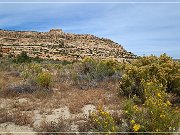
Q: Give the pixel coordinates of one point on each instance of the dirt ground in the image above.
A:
(28, 112)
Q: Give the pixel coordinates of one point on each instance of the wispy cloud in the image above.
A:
(140, 28)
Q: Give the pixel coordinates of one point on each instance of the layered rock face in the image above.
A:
(57, 44)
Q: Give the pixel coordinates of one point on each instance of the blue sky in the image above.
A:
(140, 28)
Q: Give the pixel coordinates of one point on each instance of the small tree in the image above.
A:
(23, 57)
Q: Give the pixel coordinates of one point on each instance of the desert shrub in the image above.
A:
(155, 115)
(99, 69)
(44, 80)
(35, 68)
(37, 59)
(20, 88)
(89, 72)
(23, 57)
(83, 81)
(10, 55)
(65, 62)
(89, 66)
(102, 121)
(64, 74)
(106, 69)
(163, 69)
(50, 127)
(14, 73)
(173, 85)
(5, 64)
(22, 118)
(34, 75)
(30, 71)
(16, 116)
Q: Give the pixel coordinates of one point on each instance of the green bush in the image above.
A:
(89, 72)
(106, 69)
(23, 57)
(99, 69)
(44, 80)
(37, 59)
(89, 66)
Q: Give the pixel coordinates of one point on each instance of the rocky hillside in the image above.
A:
(57, 44)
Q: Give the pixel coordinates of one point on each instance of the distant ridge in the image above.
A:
(176, 59)
(57, 44)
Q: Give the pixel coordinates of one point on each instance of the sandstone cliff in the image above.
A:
(57, 44)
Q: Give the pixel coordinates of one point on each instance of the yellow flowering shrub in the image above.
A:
(157, 114)
(136, 127)
(162, 70)
(102, 121)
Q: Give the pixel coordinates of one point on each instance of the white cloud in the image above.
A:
(136, 26)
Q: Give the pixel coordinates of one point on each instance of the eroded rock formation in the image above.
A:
(57, 44)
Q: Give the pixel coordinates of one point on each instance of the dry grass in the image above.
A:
(16, 116)
(24, 106)
(60, 126)
(64, 94)
(76, 98)
(4, 82)
(22, 118)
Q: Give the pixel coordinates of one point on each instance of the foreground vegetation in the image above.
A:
(147, 90)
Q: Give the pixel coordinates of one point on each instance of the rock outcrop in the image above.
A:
(57, 44)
